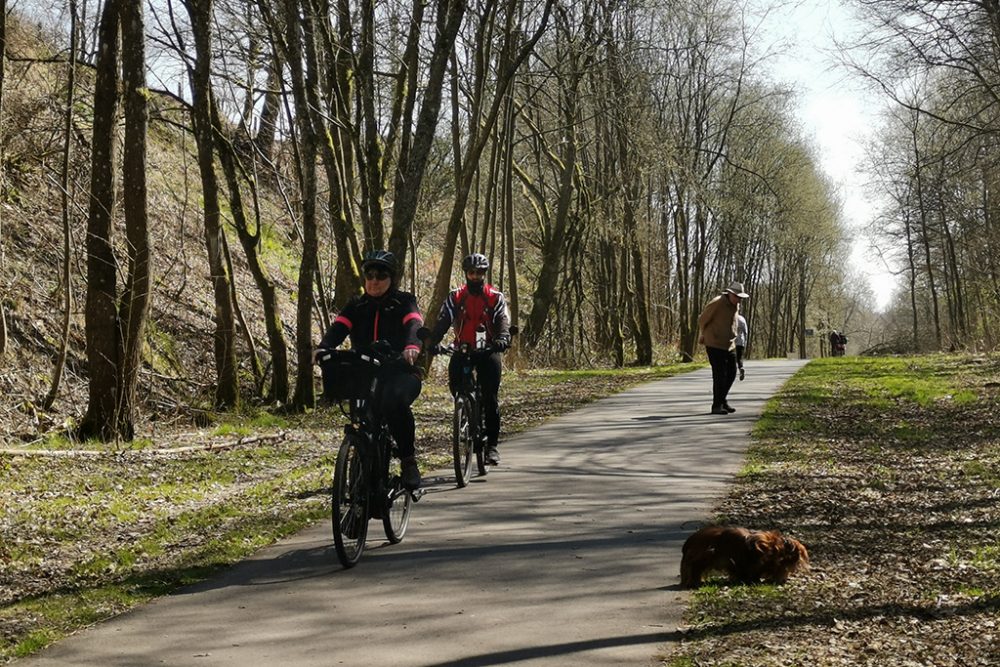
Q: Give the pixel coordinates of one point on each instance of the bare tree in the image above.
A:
(64, 184)
(227, 389)
(296, 34)
(3, 60)
(577, 53)
(415, 148)
(135, 300)
(115, 323)
(102, 318)
(484, 115)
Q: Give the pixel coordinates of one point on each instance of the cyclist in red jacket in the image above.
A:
(384, 312)
(477, 305)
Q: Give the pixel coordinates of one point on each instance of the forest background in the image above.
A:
(188, 187)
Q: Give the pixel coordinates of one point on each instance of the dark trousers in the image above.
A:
(739, 356)
(398, 388)
(488, 370)
(723, 373)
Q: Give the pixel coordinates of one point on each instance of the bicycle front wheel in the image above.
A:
(461, 441)
(396, 507)
(350, 502)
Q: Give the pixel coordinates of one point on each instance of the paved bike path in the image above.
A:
(568, 554)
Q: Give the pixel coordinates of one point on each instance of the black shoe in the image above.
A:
(410, 473)
(492, 455)
(728, 408)
(716, 410)
(742, 374)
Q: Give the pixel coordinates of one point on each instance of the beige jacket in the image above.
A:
(718, 324)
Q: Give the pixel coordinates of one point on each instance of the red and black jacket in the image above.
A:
(468, 309)
(393, 317)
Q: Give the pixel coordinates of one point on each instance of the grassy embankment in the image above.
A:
(889, 471)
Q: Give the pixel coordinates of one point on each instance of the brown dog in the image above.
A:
(748, 556)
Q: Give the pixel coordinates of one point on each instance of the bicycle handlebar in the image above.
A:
(378, 354)
(464, 349)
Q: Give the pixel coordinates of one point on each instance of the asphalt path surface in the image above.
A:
(567, 554)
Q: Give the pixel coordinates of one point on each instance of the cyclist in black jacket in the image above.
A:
(385, 312)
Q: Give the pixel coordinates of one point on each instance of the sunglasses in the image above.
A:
(476, 272)
(376, 275)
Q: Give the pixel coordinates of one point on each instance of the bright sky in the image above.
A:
(836, 112)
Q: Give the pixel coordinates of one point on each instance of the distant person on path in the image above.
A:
(742, 334)
(478, 307)
(718, 323)
(838, 343)
(384, 312)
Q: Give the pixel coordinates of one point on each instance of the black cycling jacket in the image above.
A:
(393, 317)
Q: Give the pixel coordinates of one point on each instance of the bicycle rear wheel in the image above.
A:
(396, 507)
(350, 502)
(461, 441)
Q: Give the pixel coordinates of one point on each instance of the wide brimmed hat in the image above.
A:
(737, 289)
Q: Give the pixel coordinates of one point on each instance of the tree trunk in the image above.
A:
(102, 327)
(67, 155)
(332, 139)
(510, 285)
(270, 111)
(3, 186)
(251, 245)
(227, 390)
(925, 237)
(257, 368)
(482, 125)
(551, 261)
(305, 393)
(687, 307)
(801, 311)
(136, 296)
(911, 263)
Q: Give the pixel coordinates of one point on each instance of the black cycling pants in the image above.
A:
(488, 369)
(723, 373)
(398, 388)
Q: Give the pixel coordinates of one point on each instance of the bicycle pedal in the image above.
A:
(417, 494)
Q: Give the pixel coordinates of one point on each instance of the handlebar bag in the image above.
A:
(345, 375)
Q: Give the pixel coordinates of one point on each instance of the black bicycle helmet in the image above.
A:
(475, 261)
(379, 259)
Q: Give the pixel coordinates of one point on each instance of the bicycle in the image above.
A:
(468, 435)
(366, 480)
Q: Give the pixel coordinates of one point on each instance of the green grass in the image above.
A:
(883, 381)
(276, 250)
(636, 374)
(241, 430)
(987, 557)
